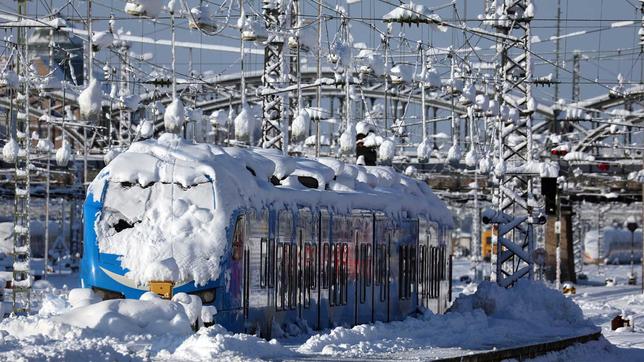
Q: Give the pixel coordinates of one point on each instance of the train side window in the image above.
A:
(263, 262)
(279, 265)
(335, 274)
(401, 272)
(414, 270)
(369, 266)
(325, 265)
(345, 274)
(238, 239)
(292, 280)
(362, 267)
(443, 262)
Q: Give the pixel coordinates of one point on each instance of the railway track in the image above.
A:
(526, 351)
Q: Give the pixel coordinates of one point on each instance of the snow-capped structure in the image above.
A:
(387, 151)
(180, 196)
(64, 154)
(89, 100)
(412, 13)
(174, 116)
(244, 125)
(149, 8)
(301, 125)
(10, 151)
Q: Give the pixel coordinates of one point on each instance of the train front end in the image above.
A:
(122, 214)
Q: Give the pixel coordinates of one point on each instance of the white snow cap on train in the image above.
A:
(188, 222)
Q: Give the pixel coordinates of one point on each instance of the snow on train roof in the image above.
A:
(177, 235)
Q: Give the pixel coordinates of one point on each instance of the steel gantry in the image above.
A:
(514, 176)
(274, 102)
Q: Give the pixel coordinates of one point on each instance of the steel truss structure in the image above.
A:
(514, 185)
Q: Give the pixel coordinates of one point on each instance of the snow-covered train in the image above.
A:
(614, 246)
(275, 243)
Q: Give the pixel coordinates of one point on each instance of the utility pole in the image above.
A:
(318, 90)
(21, 275)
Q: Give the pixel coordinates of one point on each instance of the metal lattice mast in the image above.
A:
(21, 275)
(514, 189)
(274, 104)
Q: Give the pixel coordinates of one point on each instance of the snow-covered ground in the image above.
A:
(73, 326)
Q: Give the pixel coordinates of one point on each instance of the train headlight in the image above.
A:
(207, 296)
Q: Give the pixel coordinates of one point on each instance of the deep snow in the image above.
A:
(74, 326)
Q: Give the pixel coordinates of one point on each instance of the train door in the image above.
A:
(257, 304)
(233, 304)
(363, 251)
(307, 255)
(285, 271)
(324, 268)
(381, 267)
(424, 245)
(407, 268)
(444, 268)
(341, 310)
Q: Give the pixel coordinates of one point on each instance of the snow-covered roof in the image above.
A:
(177, 225)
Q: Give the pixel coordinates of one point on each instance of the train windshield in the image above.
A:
(127, 205)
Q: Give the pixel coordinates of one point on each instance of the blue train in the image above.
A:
(308, 247)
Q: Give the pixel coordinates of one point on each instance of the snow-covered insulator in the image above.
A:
(485, 165)
(493, 108)
(252, 29)
(201, 18)
(146, 129)
(174, 116)
(424, 150)
(64, 154)
(148, 8)
(454, 154)
(469, 94)
(89, 100)
(348, 141)
(44, 145)
(432, 78)
(102, 40)
(471, 158)
(481, 102)
(301, 125)
(387, 151)
(401, 73)
(110, 155)
(244, 125)
(10, 151)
